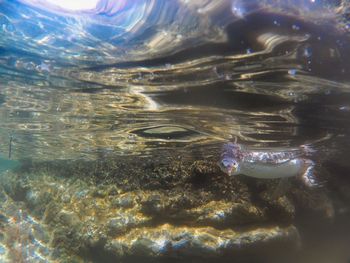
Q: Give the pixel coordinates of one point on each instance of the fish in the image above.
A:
(268, 163)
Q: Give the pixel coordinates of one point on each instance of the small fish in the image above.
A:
(268, 164)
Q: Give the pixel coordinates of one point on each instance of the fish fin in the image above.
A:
(307, 149)
(281, 188)
(308, 175)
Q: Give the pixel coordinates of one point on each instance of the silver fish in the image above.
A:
(268, 164)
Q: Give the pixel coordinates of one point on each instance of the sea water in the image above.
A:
(118, 111)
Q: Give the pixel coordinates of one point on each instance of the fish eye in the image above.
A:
(224, 163)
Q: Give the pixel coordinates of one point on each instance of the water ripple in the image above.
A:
(141, 76)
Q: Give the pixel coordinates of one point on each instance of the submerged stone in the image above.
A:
(201, 213)
(168, 241)
(219, 213)
(124, 201)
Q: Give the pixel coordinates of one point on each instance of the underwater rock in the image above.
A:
(23, 238)
(170, 241)
(120, 224)
(316, 202)
(14, 185)
(68, 218)
(124, 201)
(219, 213)
(338, 183)
(280, 208)
(37, 200)
(201, 213)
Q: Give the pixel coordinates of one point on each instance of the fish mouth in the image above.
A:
(231, 171)
(227, 170)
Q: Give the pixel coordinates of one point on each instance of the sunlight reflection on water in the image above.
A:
(74, 84)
